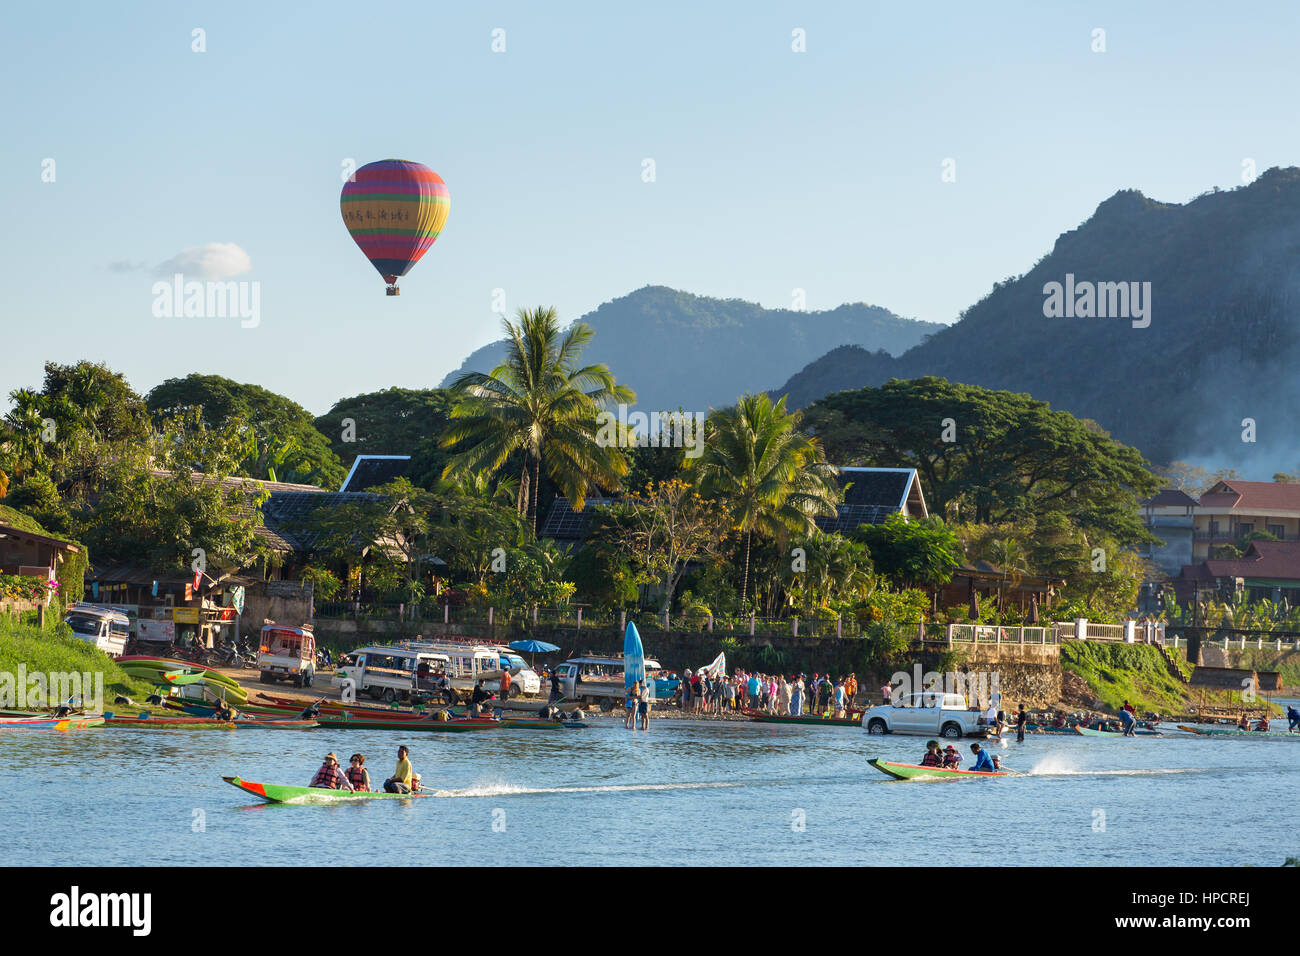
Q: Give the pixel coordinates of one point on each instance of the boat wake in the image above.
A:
(510, 790)
(1062, 767)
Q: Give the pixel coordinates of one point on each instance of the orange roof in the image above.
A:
(1253, 496)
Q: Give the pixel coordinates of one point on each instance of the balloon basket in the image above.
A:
(392, 290)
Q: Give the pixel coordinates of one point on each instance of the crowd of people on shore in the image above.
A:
(796, 695)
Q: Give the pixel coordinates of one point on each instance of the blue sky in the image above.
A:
(775, 170)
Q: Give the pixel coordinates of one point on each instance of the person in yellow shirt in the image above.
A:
(400, 781)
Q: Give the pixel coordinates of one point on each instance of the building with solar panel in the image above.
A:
(871, 495)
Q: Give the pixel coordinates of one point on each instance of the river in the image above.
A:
(684, 792)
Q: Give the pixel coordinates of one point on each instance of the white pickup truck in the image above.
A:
(930, 714)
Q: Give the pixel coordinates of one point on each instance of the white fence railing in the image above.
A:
(998, 634)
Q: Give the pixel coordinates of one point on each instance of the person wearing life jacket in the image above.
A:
(329, 777)
(951, 758)
(357, 773)
(983, 762)
(1244, 723)
(932, 758)
(1262, 723)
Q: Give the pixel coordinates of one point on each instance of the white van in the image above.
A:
(469, 663)
(387, 672)
(598, 680)
(106, 627)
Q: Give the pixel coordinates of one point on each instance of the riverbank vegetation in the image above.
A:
(54, 650)
(715, 530)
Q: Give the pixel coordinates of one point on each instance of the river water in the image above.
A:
(691, 792)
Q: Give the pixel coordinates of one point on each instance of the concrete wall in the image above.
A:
(285, 602)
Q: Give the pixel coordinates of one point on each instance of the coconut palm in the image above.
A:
(771, 477)
(540, 402)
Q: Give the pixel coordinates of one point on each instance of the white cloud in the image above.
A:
(212, 260)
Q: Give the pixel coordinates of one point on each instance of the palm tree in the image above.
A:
(771, 476)
(1011, 560)
(541, 403)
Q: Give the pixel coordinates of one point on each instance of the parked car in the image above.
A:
(929, 714)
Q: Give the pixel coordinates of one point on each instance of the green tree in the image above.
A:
(665, 528)
(280, 438)
(394, 421)
(771, 477)
(989, 456)
(917, 553)
(539, 401)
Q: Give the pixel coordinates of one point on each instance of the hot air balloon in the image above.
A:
(394, 210)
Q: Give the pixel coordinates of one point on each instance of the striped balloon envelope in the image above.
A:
(394, 210)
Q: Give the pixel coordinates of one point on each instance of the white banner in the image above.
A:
(716, 668)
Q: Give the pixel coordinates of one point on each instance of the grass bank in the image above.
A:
(55, 650)
(1133, 672)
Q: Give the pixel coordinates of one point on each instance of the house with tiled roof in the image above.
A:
(1267, 569)
(1232, 509)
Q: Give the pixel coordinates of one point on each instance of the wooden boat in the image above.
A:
(532, 723)
(1237, 732)
(273, 723)
(445, 726)
(279, 793)
(1074, 730)
(331, 708)
(197, 708)
(908, 771)
(1089, 732)
(147, 721)
(44, 722)
(810, 721)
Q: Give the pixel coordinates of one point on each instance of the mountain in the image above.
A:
(1218, 346)
(679, 350)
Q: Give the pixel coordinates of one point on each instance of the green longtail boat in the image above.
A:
(1237, 732)
(807, 721)
(908, 771)
(440, 726)
(276, 793)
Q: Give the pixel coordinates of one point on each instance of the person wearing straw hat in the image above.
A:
(329, 776)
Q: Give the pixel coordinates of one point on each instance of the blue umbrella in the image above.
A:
(532, 647)
(633, 658)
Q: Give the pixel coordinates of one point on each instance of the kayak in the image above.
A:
(1235, 732)
(908, 771)
(164, 664)
(810, 721)
(278, 793)
(165, 722)
(76, 722)
(449, 726)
